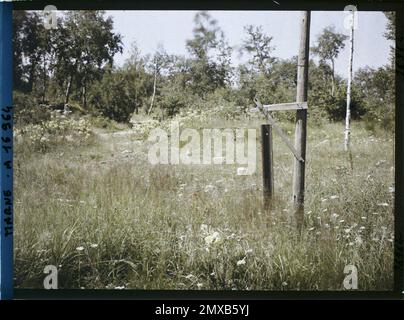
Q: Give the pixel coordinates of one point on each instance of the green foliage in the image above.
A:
(72, 56)
(138, 81)
(110, 97)
(210, 67)
(55, 132)
(328, 46)
(258, 45)
(90, 44)
(377, 91)
(172, 99)
(72, 65)
(390, 33)
(27, 110)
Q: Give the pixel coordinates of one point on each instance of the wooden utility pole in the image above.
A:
(301, 117)
(267, 165)
(348, 93)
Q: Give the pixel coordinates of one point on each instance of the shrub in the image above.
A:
(110, 97)
(48, 134)
(28, 111)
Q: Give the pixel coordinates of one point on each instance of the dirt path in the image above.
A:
(121, 145)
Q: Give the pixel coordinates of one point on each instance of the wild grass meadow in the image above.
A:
(99, 211)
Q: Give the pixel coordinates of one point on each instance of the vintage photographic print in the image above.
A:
(204, 150)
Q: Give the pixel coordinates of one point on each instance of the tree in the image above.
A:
(329, 44)
(279, 87)
(390, 33)
(30, 48)
(176, 91)
(137, 79)
(377, 93)
(85, 44)
(159, 61)
(348, 98)
(258, 45)
(110, 96)
(19, 18)
(210, 66)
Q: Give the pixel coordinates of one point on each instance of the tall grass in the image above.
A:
(108, 219)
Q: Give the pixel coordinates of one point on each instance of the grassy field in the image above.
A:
(108, 219)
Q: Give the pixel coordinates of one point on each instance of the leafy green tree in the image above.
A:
(137, 79)
(258, 45)
(328, 46)
(279, 86)
(85, 45)
(176, 92)
(158, 63)
(19, 19)
(390, 33)
(110, 96)
(210, 66)
(376, 89)
(30, 47)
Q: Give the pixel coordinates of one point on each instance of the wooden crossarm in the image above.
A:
(278, 129)
(285, 106)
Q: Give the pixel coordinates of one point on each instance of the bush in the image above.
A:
(110, 97)
(172, 99)
(376, 87)
(48, 134)
(28, 111)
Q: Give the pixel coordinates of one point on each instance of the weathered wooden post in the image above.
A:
(301, 118)
(267, 165)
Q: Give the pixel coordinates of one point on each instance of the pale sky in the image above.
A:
(173, 28)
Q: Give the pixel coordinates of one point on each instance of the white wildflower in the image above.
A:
(358, 240)
(383, 204)
(241, 262)
(212, 238)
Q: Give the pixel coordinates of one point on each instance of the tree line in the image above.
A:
(74, 65)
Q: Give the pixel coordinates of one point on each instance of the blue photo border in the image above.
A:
(6, 155)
